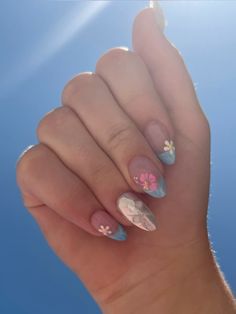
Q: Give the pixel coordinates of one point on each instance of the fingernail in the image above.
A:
(108, 226)
(136, 211)
(146, 175)
(159, 139)
(160, 18)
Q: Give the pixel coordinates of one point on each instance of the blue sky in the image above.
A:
(44, 44)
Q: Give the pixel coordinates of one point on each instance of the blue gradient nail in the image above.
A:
(167, 157)
(104, 223)
(158, 137)
(119, 235)
(160, 191)
(147, 176)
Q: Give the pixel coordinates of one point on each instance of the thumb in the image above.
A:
(169, 73)
(188, 180)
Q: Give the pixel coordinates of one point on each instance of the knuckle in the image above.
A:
(119, 135)
(52, 121)
(27, 162)
(116, 58)
(76, 86)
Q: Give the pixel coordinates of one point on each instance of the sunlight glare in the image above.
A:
(64, 31)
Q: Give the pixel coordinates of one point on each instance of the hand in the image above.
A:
(114, 135)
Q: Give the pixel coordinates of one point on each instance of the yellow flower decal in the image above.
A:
(169, 147)
(105, 230)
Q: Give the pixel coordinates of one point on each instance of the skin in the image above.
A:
(67, 175)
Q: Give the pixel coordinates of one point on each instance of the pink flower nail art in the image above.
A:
(147, 180)
(147, 176)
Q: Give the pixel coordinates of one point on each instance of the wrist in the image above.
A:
(205, 291)
(191, 283)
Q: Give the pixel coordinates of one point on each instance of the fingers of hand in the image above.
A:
(113, 125)
(64, 133)
(44, 178)
(115, 133)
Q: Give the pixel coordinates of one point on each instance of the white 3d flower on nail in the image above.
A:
(105, 230)
(169, 147)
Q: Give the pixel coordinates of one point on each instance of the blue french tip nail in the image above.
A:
(167, 157)
(119, 235)
(160, 191)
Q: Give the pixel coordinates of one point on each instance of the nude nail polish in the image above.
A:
(136, 211)
(108, 226)
(161, 143)
(147, 176)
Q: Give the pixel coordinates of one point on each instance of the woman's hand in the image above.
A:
(106, 158)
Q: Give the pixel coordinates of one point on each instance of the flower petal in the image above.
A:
(143, 177)
(153, 186)
(152, 178)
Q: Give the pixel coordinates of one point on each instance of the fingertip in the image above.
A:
(148, 22)
(142, 18)
(106, 225)
(159, 14)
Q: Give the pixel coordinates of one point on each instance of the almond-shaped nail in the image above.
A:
(136, 211)
(160, 141)
(147, 176)
(108, 226)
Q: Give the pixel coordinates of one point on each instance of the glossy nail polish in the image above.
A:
(146, 175)
(136, 211)
(163, 146)
(108, 226)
